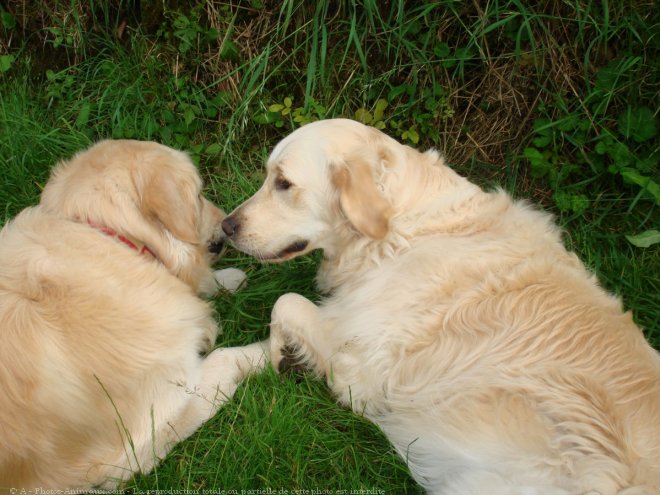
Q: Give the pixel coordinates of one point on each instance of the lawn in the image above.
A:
(556, 103)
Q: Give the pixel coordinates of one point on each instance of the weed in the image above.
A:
(7, 26)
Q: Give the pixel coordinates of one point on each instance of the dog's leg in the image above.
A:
(222, 372)
(296, 326)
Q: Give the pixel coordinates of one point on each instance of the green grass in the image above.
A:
(485, 84)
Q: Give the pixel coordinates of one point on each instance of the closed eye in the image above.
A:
(281, 184)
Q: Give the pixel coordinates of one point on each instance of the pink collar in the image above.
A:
(113, 233)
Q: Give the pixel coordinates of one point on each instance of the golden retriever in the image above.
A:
(455, 319)
(101, 328)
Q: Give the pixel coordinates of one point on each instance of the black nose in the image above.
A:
(230, 226)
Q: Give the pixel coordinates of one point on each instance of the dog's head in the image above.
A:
(148, 193)
(321, 181)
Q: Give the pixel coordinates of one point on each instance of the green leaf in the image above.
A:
(448, 63)
(211, 112)
(543, 126)
(540, 166)
(463, 53)
(276, 107)
(441, 50)
(621, 155)
(212, 34)
(363, 115)
(181, 22)
(222, 99)
(83, 115)
(7, 20)
(381, 105)
(610, 76)
(542, 141)
(400, 89)
(648, 184)
(533, 155)
(571, 202)
(568, 123)
(579, 203)
(562, 200)
(637, 123)
(601, 147)
(645, 239)
(168, 117)
(213, 149)
(188, 115)
(6, 62)
(182, 140)
(230, 51)
(267, 118)
(411, 135)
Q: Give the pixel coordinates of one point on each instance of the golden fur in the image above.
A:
(456, 320)
(101, 346)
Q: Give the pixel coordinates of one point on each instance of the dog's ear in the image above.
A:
(359, 198)
(171, 199)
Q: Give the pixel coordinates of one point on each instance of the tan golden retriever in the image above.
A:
(101, 328)
(456, 320)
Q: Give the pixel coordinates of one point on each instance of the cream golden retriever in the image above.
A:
(101, 329)
(456, 320)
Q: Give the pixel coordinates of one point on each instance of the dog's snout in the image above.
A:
(230, 226)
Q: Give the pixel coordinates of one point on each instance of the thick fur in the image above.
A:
(100, 347)
(456, 320)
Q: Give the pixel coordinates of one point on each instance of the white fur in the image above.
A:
(456, 320)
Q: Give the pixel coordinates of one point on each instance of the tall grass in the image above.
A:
(481, 81)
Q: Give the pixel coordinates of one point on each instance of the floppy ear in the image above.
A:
(359, 198)
(173, 203)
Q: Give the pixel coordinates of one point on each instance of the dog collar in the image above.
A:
(122, 238)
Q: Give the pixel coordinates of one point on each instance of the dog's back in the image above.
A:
(82, 364)
(508, 366)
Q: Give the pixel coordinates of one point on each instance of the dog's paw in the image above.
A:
(230, 279)
(275, 347)
(286, 357)
(291, 314)
(290, 360)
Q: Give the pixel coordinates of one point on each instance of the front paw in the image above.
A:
(284, 354)
(291, 316)
(230, 279)
(276, 346)
(292, 360)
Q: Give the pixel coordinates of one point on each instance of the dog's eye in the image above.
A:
(281, 184)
